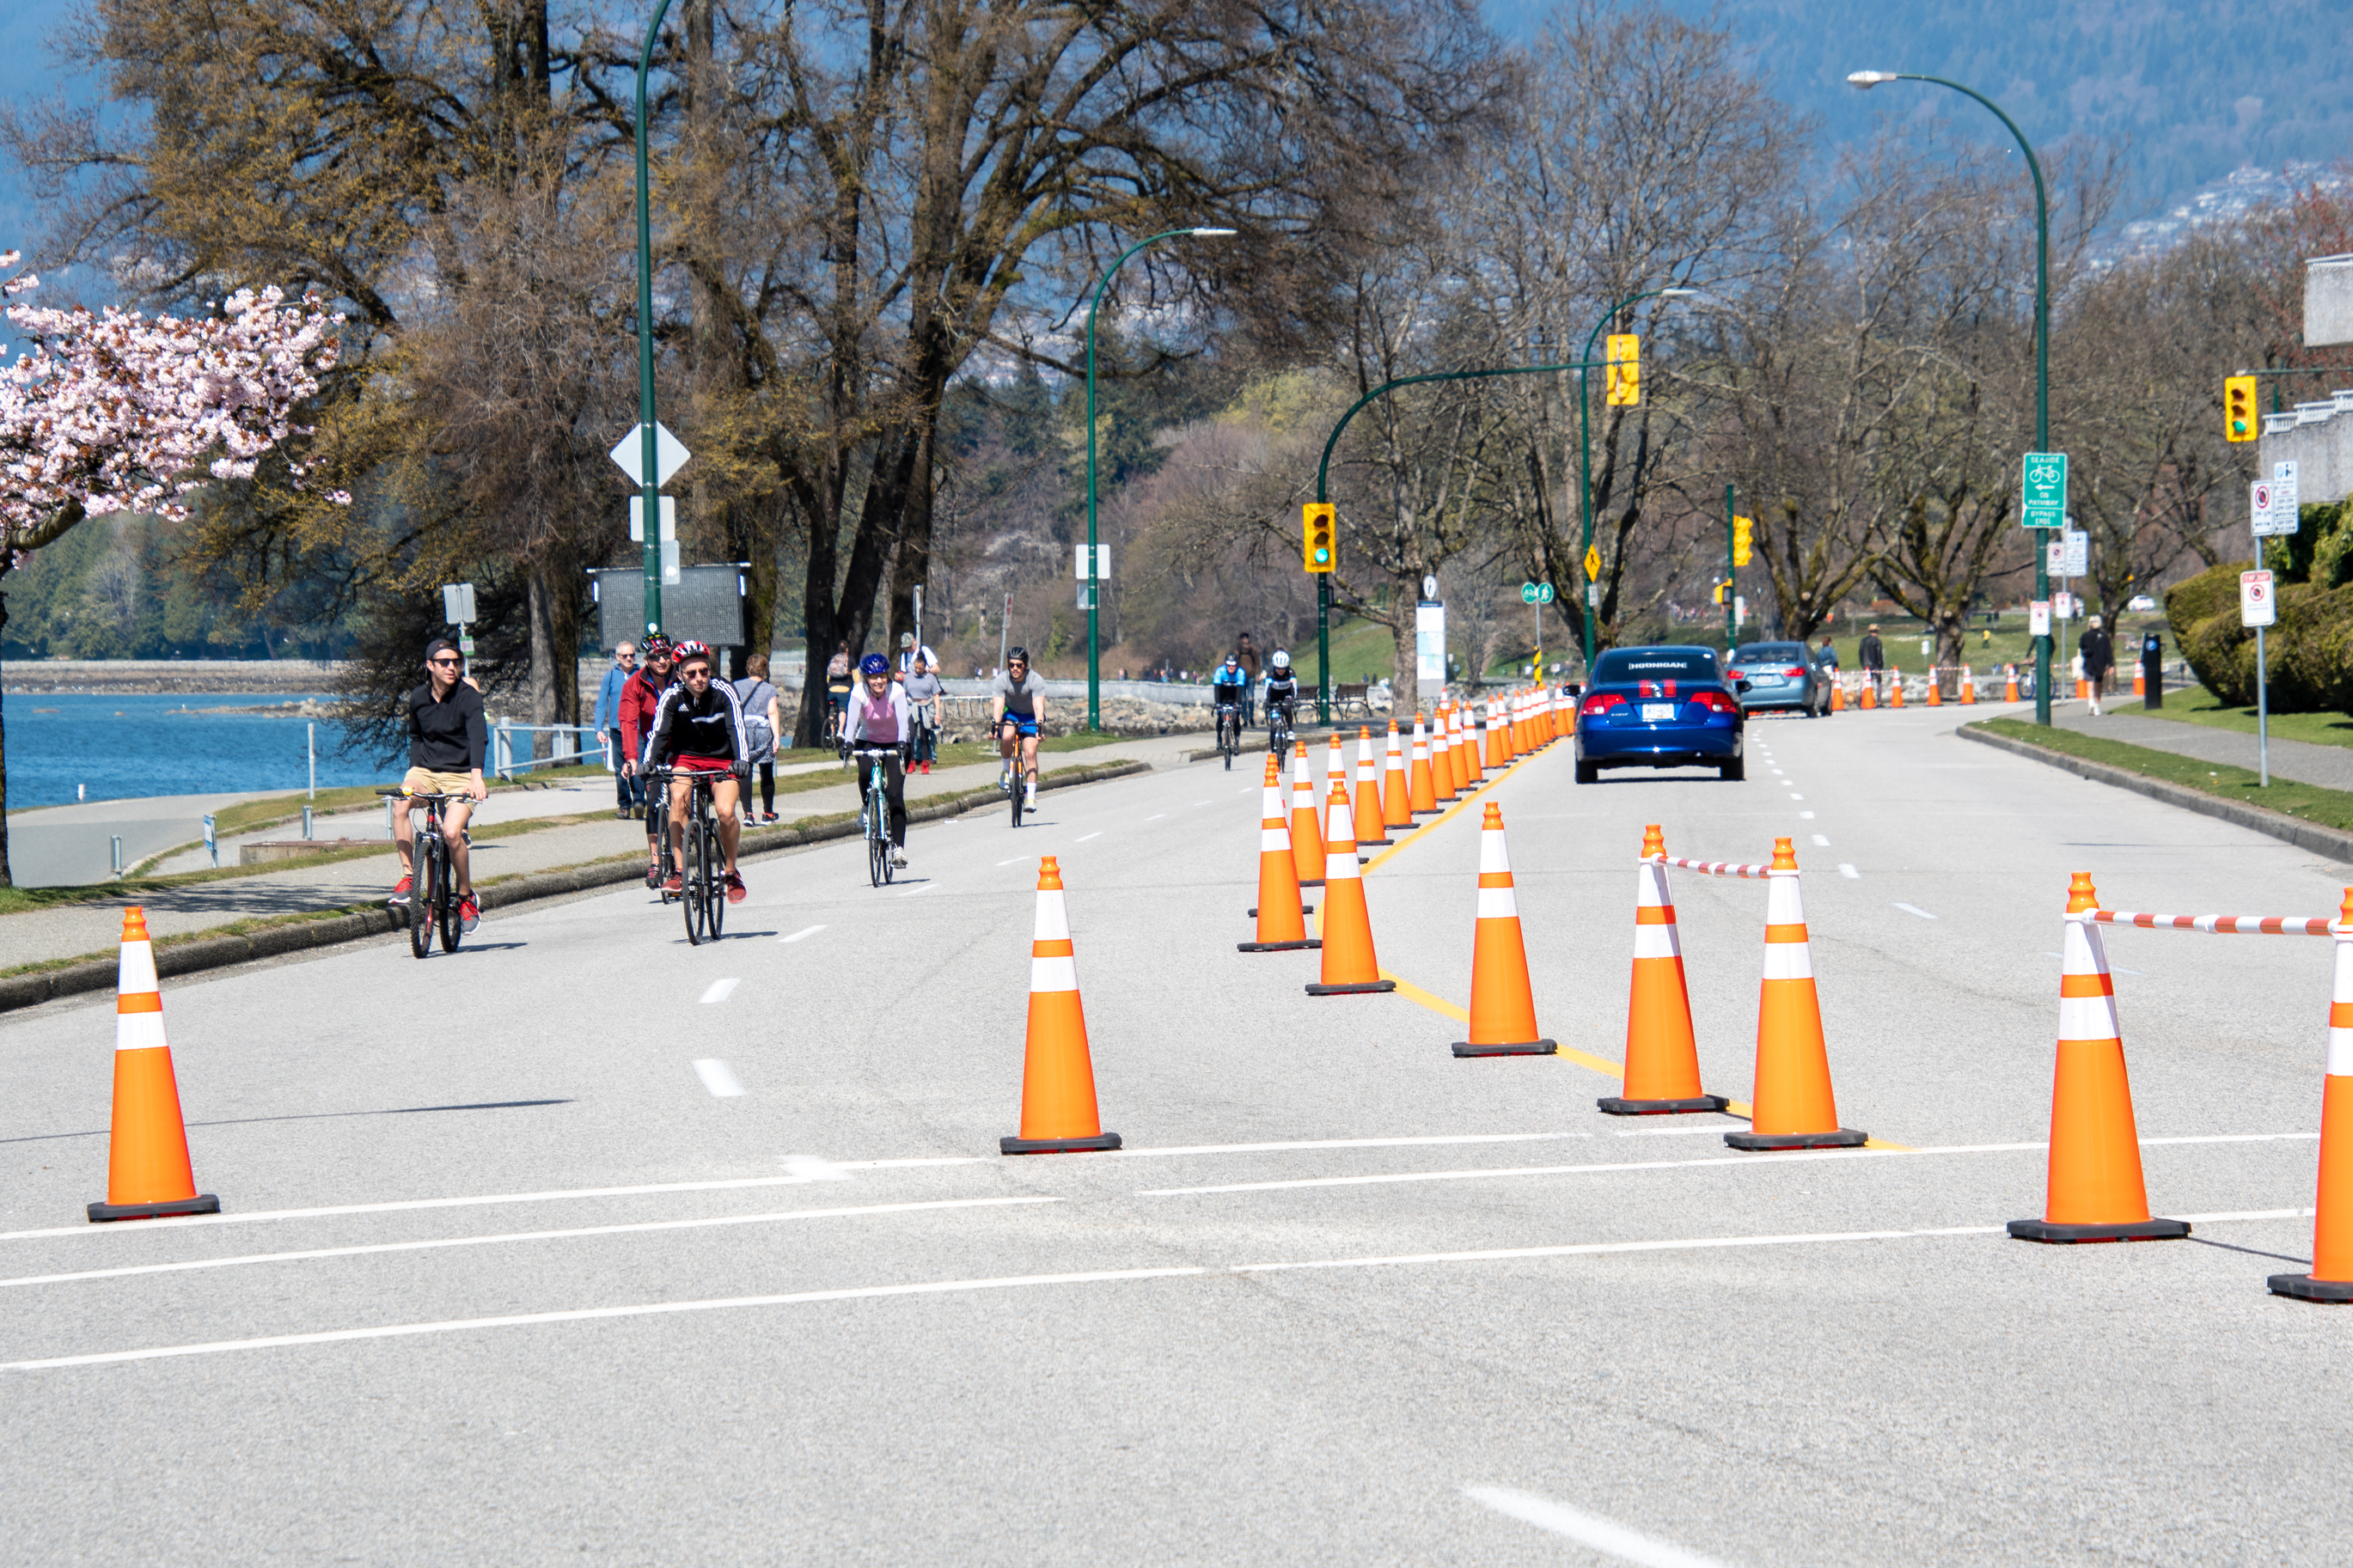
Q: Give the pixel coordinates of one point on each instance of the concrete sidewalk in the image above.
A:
(2329, 767)
(73, 931)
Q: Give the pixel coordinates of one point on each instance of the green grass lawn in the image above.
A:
(1361, 650)
(2202, 707)
(2329, 807)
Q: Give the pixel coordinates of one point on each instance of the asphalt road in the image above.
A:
(506, 1276)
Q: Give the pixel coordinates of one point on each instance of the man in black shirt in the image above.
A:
(446, 738)
(698, 729)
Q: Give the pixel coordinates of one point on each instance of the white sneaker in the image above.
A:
(898, 861)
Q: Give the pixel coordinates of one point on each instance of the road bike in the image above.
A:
(1229, 732)
(1009, 779)
(1278, 727)
(432, 891)
(703, 861)
(874, 813)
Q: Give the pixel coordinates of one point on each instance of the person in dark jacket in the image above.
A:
(2099, 657)
(1872, 656)
(447, 736)
(640, 696)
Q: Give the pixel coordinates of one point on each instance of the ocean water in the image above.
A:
(117, 747)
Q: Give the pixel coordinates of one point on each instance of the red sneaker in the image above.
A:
(677, 883)
(736, 892)
(399, 898)
(470, 913)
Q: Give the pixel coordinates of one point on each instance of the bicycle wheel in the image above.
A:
(1018, 784)
(878, 855)
(445, 900)
(420, 894)
(715, 880)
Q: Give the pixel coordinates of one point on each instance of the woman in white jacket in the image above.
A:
(880, 716)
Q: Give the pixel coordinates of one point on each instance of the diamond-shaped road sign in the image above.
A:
(1592, 565)
(670, 454)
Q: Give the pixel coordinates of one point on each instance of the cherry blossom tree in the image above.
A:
(113, 411)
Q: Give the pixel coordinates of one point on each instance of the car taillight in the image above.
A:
(1716, 702)
(1600, 702)
(1795, 672)
(1736, 675)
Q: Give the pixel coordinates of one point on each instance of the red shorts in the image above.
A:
(701, 764)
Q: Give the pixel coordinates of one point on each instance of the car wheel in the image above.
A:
(1734, 771)
(1588, 772)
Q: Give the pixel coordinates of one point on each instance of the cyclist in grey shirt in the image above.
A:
(923, 688)
(1017, 709)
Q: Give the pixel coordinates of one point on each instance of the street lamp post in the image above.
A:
(1584, 440)
(1094, 652)
(648, 469)
(1324, 493)
(1865, 82)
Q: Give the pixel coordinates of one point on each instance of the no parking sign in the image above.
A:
(2257, 604)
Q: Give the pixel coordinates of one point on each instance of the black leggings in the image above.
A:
(767, 772)
(894, 793)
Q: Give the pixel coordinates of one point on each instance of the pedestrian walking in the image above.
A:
(1874, 658)
(923, 688)
(629, 792)
(762, 722)
(1246, 653)
(2099, 656)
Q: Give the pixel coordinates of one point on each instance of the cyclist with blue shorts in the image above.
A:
(1017, 709)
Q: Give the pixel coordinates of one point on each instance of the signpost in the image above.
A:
(2258, 608)
(1429, 635)
(2271, 503)
(458, 610)
(1539, 594)
(2043, 491)
(1088, 580)
(655, 446)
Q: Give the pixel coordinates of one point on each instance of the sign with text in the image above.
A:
(2257, 606)
(2043, 491)
(2076, 547)
(1429, 642)
(2037, 618)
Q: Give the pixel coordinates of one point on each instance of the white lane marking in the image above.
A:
(719, 990)
(1820, 842)
(948, 1287)
(1096, 834)
(1251, 789)
(1201, 802)
(1794, 795)
(2248, 1214)
(1155, 817)
(804, 932)
(1343, 1144)
(1609, 1539)
(1850, 1157)
(1015, 861)
(918, 887)
(1805, 816)
(706, 1222)
(1849, 872)
(1915, 909)
(204, 1222)
(1680, 1131)
(716, 1077)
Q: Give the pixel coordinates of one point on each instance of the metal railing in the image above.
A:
(572, 746)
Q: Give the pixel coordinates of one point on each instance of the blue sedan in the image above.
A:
(1659, 708)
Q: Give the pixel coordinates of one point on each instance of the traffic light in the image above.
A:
(1742, 543)
(2239, 420)
(1316, 548)
(1720, 589)
(1624, 369)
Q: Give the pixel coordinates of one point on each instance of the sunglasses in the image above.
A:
(446, 663)
(698, 672)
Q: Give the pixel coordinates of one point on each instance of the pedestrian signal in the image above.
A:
(1624, 369)
(1316, 546)
(1743, 544)
(2239, 420)
(1721, 588)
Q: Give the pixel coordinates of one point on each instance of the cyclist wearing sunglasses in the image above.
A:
(640, 694)
(446, 738)
(698, 729)
(1017, 711)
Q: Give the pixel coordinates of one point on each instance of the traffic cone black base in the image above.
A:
(1360, 989)
(1522, 1048)
(1616, 1107)
(202, 1202)
(1304, 909)
(1099, 1142)
(1844, 1138)
(2304, 1287)
(1366, 843)
(2062, 1235)
(1310, 882)
(1311, 943)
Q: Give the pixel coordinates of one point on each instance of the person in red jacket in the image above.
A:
(640, 694)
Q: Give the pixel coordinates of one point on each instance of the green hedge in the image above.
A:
(2309, 654)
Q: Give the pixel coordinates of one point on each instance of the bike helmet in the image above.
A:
(1282, 659)
(1232, 663)
(691, 649)
(1018, 655)
(655, 645)
(873, 664)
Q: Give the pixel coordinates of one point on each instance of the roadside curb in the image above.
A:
(297, 936)
(2330, 841)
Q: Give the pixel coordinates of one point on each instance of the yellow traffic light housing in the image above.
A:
(1623, 376)
(2239, 420)
(1720, 589)
(1318, 548)
(1742, 543)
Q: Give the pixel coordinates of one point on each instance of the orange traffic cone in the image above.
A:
(1662, 1056)
(2082, 689)
(1349, 966)
(1306, 834)
(1058, 1076)
(1370, 828)
(1442, 756)
(1866, 693)
(2331, 1279)
(1490, 738)
(1424, 797)
(2010, 683)
(1936, 687)
(1336, 762)
(1396, 791)
(147, 1170)
(1503, 1006)
(1282, 927)
(2140, 681)
(1894, 687)
(2094, 1191)
(1838, 695)
(1968, 687)
(1466, 737)
(1794, 1107)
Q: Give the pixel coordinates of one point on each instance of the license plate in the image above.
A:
(1658, 712)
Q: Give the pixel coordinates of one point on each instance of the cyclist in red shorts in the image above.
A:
(698, 729)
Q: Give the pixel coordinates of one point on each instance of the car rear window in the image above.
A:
(1770, 653)
(1620, 666)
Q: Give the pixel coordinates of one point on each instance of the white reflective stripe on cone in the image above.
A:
(1054, 916)
(140, 1032)
(1651, 886)
(2082, 953)
(1498, 903)
(2340, 1040)
(1784, 905)
(1054, 974)
(1492, 859)
(136, 971)
(1274, 836)
(1657, 941)
(1340, 828)
(1789, 961)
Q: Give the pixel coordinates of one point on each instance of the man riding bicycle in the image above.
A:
(1017, 711)
(1229, 690)
(698, 732)
(640, 694)
(881, 715)
(447, 735)
(1282, 686)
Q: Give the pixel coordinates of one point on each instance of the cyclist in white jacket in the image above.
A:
(880, 715)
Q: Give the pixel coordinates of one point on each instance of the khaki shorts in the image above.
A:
(425, 781)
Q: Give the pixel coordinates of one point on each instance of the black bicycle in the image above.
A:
(1278, 727)
(1229, 731)
(874, 815)
(432, 890)
(703, 861)
(1010, 780)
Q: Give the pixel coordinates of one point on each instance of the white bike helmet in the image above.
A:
(1282, 659)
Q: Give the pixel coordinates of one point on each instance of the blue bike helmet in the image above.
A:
(873, 664)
